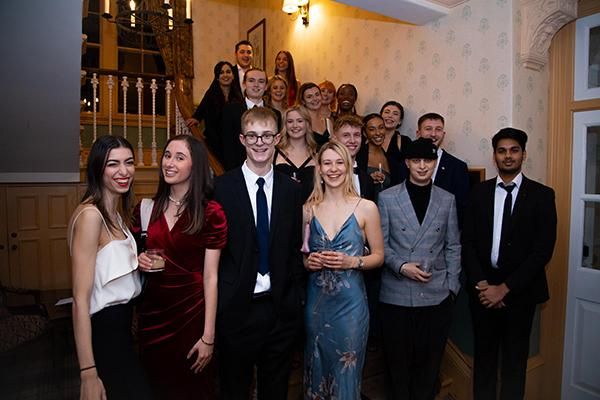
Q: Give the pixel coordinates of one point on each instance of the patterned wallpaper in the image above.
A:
(215, 30)
(464, 66)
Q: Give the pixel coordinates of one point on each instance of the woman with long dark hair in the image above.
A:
(178, 310)
(284, 66)
(105, 276)
(220, 92)
(394, 143)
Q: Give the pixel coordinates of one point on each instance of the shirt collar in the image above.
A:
(250, 104)
(251, 177)
(517, 181)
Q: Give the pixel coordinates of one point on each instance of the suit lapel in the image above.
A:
(430, 215)
(519, 206)
(489, 204)
(404, 203)
(275, 207)
(240, 190)
(440, 176)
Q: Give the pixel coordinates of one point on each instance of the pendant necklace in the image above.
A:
(177, 202)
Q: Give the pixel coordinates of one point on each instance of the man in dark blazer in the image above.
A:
(255, 83)
(451, 173)
(261, 273)
(244, 55)
(508, 238)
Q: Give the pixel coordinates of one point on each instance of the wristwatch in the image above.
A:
(361, 263)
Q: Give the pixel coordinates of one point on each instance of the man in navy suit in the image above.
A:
(508, 238)
(451, 173)
(261, 273)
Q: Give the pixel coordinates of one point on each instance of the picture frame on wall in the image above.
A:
(257, 35)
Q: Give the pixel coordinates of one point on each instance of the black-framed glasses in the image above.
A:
(266, 139)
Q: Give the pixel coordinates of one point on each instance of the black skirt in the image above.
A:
(117, 363)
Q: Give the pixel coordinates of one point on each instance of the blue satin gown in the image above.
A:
(337, 319)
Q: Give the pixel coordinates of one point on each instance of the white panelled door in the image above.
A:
(581, 364)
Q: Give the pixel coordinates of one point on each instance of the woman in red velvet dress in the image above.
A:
(179, 304)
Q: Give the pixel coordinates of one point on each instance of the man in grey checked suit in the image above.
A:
(421, 276)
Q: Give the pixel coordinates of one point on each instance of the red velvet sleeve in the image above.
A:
(136, 227)
(215, 228)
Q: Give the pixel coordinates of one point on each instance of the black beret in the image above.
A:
(421, 148)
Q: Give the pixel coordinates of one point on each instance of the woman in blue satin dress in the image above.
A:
(338, 222)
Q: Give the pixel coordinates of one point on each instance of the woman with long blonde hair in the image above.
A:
(338, 222)
(297, 148)
(276, 93)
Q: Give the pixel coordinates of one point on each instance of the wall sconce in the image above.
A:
(300, 6)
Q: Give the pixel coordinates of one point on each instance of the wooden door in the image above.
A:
(37, 219)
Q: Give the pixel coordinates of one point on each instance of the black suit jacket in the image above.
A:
(367, 189)
(453, 176)
(239, 259)
(237, 84)
(530, 244)
(234, 153)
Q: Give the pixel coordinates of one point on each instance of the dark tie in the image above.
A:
(506, 220)
(262, 227)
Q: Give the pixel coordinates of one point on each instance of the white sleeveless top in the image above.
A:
(116, 279)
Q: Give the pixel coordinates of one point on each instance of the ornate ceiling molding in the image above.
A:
(540, 20)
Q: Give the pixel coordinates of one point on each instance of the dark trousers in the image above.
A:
(414, 339)
(260, 340)
(117, 363)
(503, 332)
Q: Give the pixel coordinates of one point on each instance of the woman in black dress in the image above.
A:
(221, 91)
(295, 153)
(394, 143)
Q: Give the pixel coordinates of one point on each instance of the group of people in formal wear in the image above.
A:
(326, 227)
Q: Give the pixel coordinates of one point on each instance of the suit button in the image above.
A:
(412, 250)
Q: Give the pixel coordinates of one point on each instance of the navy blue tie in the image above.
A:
(262, 227)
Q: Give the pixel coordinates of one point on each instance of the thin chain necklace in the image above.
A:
(177, 202)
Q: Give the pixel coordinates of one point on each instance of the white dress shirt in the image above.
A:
(437, 164)
(250, 104)
(241, 73)
(499, 197)
(263, 282)
(355, 179)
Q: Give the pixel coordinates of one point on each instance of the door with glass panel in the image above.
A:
(581, 366)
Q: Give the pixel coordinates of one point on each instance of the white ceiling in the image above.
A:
(416, 12)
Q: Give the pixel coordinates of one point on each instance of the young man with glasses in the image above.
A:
(261, 272)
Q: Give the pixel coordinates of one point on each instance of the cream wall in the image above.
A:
(463, 66)
(215, 30)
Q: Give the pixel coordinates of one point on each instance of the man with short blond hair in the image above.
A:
(261, 271)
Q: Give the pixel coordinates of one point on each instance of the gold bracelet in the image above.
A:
(205, 342)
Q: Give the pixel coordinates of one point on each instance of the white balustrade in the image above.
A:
(125, 85)
(153, 87)
(140, 87)
(110, 83)
(180, 126)
(94, 97)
